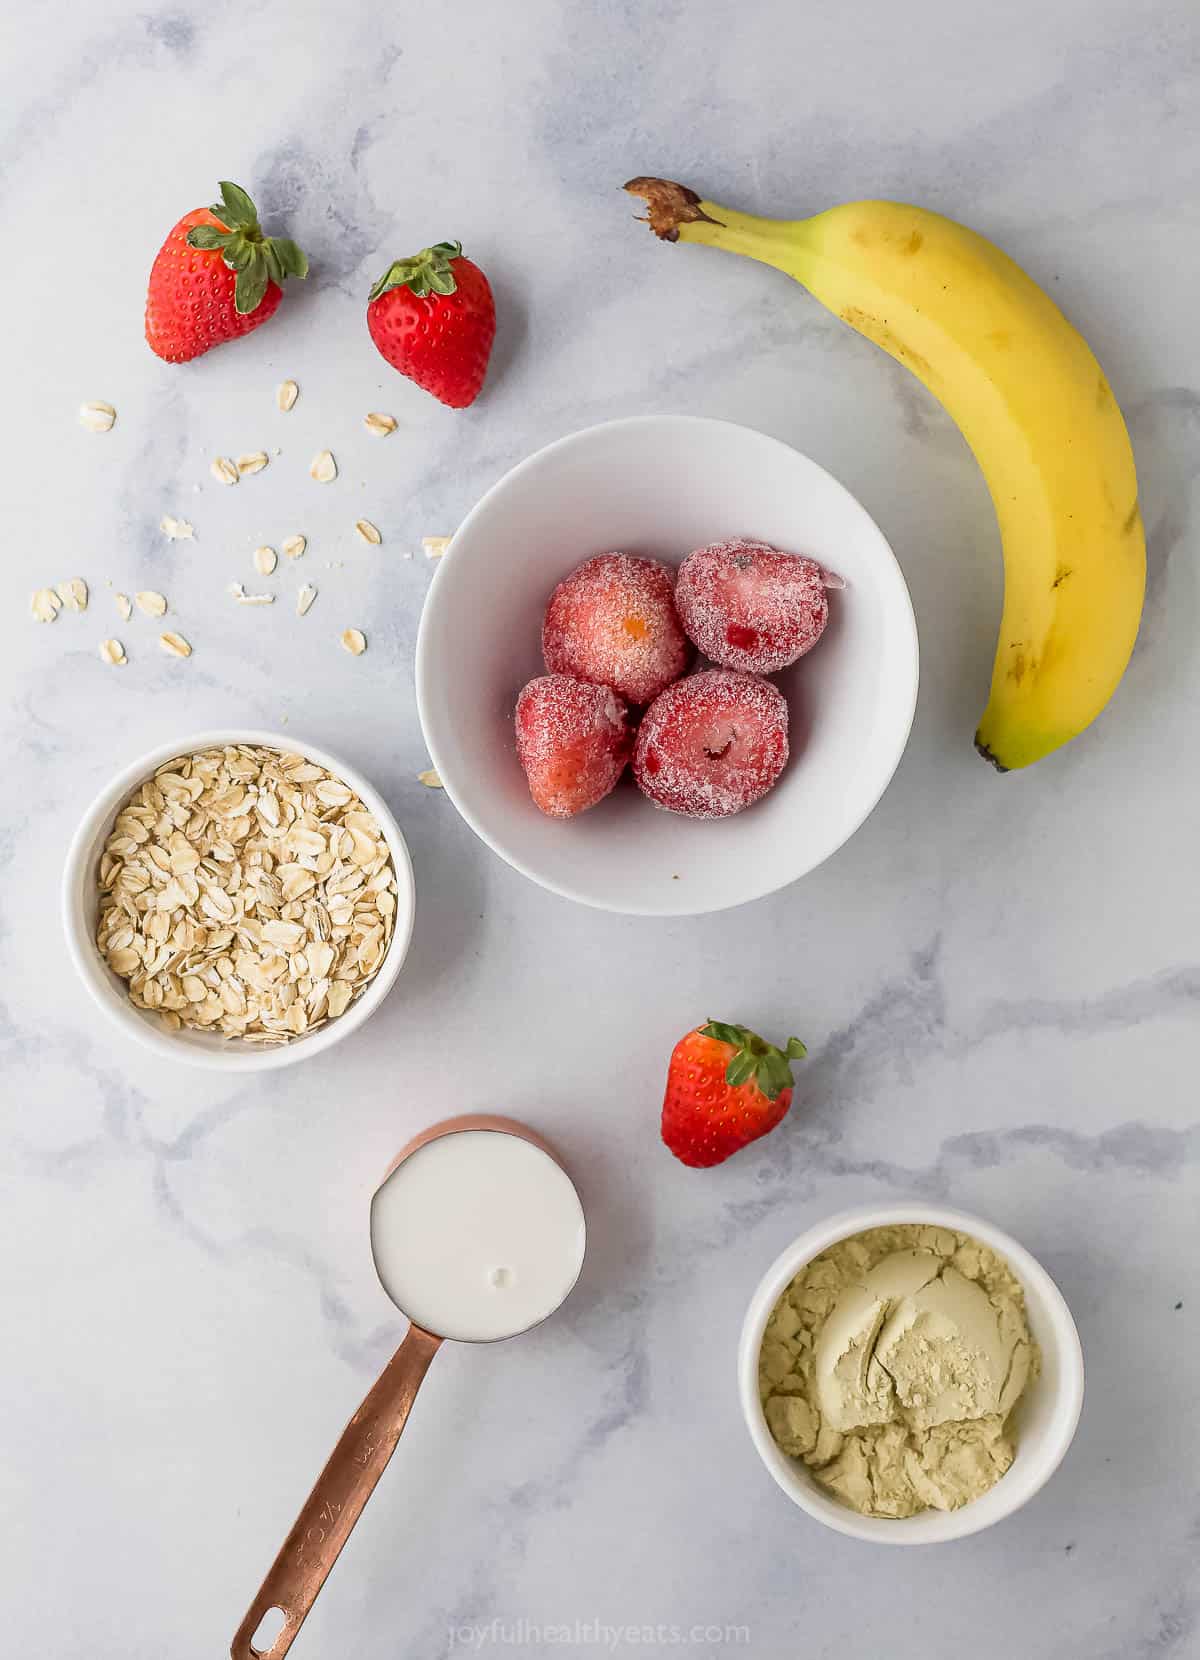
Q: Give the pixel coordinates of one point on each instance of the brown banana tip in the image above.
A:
(982, 749)
(670, 205)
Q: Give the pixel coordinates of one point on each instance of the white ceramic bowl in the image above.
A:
(80, 912)
(663, 485)
(1044, 1420)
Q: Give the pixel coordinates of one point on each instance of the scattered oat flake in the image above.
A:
(378, 425)
(254, 462)
(355, 641)
(435, 546)
(97, 416)
(265, 561)
(368, 532)
(430, 779)
(287, 394)
(304, 599)
(45, 605)
(176, 530)
(294, 546)
(324, 468)
(243, 598)
(150, 603)
(112, 651)
(73, 593)
(175, 644)
(124, 607)
(224, 470)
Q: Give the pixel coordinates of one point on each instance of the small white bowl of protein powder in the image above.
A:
(909, 1374)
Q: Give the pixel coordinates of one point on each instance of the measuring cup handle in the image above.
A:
(337, 1500)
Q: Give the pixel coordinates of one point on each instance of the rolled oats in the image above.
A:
(355, 641)
(304, 599)
(435, 546)
(124, 607)
(245, 891)
(112, 651)
(287, 394)
(294, 546)
(45, 605)
(151, 604)
(175, 644)
(324, 468)
(379, 426)
(368, 532)
(254, 462)
(265, 560)
(176, 530)
(73, 593)
(97, 416)
(224, 470)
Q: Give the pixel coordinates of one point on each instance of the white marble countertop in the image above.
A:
(998, 976)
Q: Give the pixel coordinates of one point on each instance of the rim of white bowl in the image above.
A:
(425, 700)
(1021, 1481)
(104, 987)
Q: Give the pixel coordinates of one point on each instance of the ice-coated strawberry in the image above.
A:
(573, 740)
(750, 607)
(613, 621)
(712, 744)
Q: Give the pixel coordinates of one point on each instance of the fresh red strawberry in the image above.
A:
(725, 1089)
(434, 319)
(573, 740)
(216, 277)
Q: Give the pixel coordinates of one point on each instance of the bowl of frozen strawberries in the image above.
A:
(667, 666)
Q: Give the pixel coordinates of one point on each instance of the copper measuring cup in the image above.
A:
(362, 1452)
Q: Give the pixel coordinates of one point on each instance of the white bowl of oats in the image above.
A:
(240, 900)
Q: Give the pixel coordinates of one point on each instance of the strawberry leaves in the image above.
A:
(293, 262)
(251, 285)
(753, 1058)
(235, 208)
(429, 272)
(207, 237)
(256, 259)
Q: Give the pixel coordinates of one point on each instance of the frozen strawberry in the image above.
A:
(573, 739)
(613, 621)
(712, 744)
(750, 607)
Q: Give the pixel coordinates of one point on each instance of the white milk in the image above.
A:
(477, 1235)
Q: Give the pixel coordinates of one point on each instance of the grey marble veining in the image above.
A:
(999, 978)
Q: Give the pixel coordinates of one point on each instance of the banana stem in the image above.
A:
(676, 213)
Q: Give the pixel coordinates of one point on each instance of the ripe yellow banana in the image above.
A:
(1032, 403)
